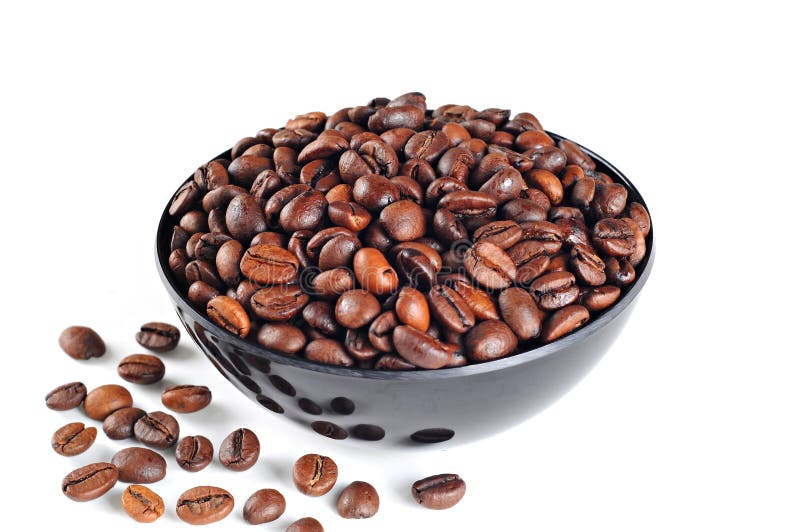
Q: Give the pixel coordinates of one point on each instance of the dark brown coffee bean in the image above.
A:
(157, 429)
(447, 227)
(439, 492)
(374, 273)
(412, 309)
(403, 220)
(322, 148)
(239, 450)
(201, 293)
(639, 214)
(194, 453)
(245, 168)
(179, 238)
(350, 215)
(264, 506)
(158, 337)
(640, 245)
(119, 425)
(81, 343)
(204, 505)
(244, 218)
(504, 185)
(409, 188)
(588, 267)
(380, 331)
(305, 211)
(549, 234)
(229, 314)
(468, 203)
(194, 222)
(521, 313)
(357, 343)
(267, 264)
(619, 271)
(548, 158)
(227, 261)
(338, 252)
(141, 369)
(177, 264)
(306, 524)
(523, 210)
(186, 398)
(481, 303)
(184, 199)
(503, 234)
(548, 183)
(139, 465)
(281, 337)
(359, 500)
(104, 400)
(220, 197)
(374, 192)
(278, 302)
(320, 315)
(609, 200)
(428, 145)
(66, 396)
(242, 145)
(328, 351)
(201, 270)
(89, 482)
(396, 138)
(450, 309)
(73, 438)
(407, 116)
(614, 237)
(564, 321)
(490, 266)
(575, 155)
(314, 475)
(393, 363)
(210, 176)
(489, 340)
(600, 297)
(332, 283)
(419, 348)
(554, 290)
(142, 504)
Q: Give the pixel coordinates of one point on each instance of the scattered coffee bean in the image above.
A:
(119, 424)
(314, 474)
(73, 438)
(306, 524)
(104, 400)
(359, 500)
(66, 397)
(142, 504)
(439, 492)
(141, 369)
(139, 465)
(203, 505)
(158, 337)
(194, 453)
(89, 482)
(157, 429)
(239, 450)
(186, 398)
(264, 506)
(81, 343)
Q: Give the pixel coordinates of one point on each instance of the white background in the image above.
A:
(689, 423)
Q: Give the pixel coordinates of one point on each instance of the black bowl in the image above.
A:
(407, 407)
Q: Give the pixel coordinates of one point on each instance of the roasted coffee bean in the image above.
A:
(200, 293)
(374, 273)
(396, 138)
(338, 252)
(548, 183)
(201, 270)
(549, 234)
(332, 283)
(589, 268)
(356, 308)
(358, 345)
(523, 210)
(640, 245)
(264, 506)
(412, 308)
(267, 264)
(403, 220)
(614, 237)
(530, 258)
(210, 176)
(314, 474)
(119, 425)
(554, 290)
(245, 168)
(489, 340)
(600, 297)
(407, 116)
(81, 343)
(359, 500)
(305, 211)
(142, 504)
(564, 321)
(489, 165)
(481, 303)
(548, 158)
(229, 314)
(619, 271)
(374, 192)
(278, 302)
(104, 400)
(281, 337)
(194, 453)
(66, 396)
(73, 438)
(320, 315)
(204, 505)
(428, 145)
(244, 218)
(575, 155)
(520, 312)
(186, 398)
(139, 465)
(503, 234)
(640, 216)
(157, 429)
(220, 197)
(177, 262)
(322, 148)
(504, 185)
(574, 231)
(158, 337)
(227, 261)
(380, 331)
(490, 266)
(184, 199)
(416, 268)
(447, 227)
(609, 200)
(306, 524)
(141, 369)
(468, 203)
(439, 492)
(419, 348)
(239, 450)
(89, 482)
(328, 351)
(450, 309)
(393, 363)
(194, 222)
(350, 215)
(440, 187)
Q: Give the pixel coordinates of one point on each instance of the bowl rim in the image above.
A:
(511, 361)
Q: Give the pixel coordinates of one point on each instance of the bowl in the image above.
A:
(407, 408)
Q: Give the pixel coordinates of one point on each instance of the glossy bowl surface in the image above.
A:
(408, 408)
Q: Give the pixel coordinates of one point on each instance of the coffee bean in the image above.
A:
(186, 398)
(575, 155)
(588, 267)
(239, 450)
(267, 264)
(338, 252)
(374, 273)
(359, 500)
(358, 345)
(194, 453)
(356, 308)
(66, 396)
(490, 266)
(203, 505)
(521, 313)
(142, 504)
(450, 309)
(439, 492)
(374, 192)
(609, 200)
(104, 400)
(139, 465)
(419, 348)
(200, 293)
(332, 283)
(503, 234)
(229, 314)
(564, 321)
(89, 482)
(314, 474)
(281, 337)
(73, 438)
(481, 303)
(264, 506)
(554, 290)
(619, 271)
(305, 211)
(158, 337)
(81, 343)
(639, 214)
(350, 215)
(141, 369)
(157, 429)
(306, 524)
(380, 331)
(490, 340)
(600, 297)
(119, 424)
(278, 302)
(403, 220)
(328, 351)
(412, 308)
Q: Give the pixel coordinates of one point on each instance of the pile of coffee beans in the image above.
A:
(313, 474)
(391, 236)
